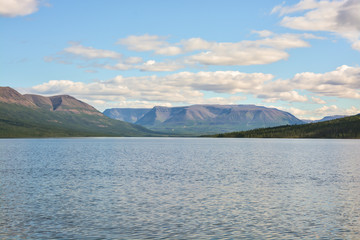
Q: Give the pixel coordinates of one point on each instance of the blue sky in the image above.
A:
(298, 56)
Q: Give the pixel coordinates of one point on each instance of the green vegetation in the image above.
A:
(348, 127)
(22, 121)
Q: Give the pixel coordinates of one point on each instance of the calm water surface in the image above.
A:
(179, 188)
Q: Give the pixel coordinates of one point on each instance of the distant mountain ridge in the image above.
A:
(130, 115)
(328, 118)
(204, 119)
(57, 116)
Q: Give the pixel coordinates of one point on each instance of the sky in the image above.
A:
(300, 56)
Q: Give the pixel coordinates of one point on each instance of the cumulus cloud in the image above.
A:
(339, 17)
(356, 45)
(321, 112)
(118, 66)
(183, 87)
(262, 51)
(153, 66)
(194, 44)
(190, 88)
(150, 43)
(342, 82)
(13, 8)
(232, 54)
(263, 33)
(220, 81)
(143, 43)
(290, 96)
(268, 49)
(90, 52)
(318, 100)
(302, 5)
(271, 48)
(299, 113)
(133, 60)
(180, 87)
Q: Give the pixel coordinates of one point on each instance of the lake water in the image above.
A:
(179, 188)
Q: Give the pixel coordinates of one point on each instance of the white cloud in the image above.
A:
(220, 81)
(190, 88)
(221, 100)
(312, 36)
(283, 41)
(150, 43)
(199, 52)
(231, 55)
(299, 113)
(153, 66)
(321, 112)
(13, 8)
(90, 52)
(263, 33)
(290, 96)
(340, 17)
(143, 43)
(352, 111)
(133, 60)
(318, 100)
(194, 44)
(183, 87)
(343, 82)
(119, 66)
(169, 51)
(356, 45)
(262, 51)
(302, 5)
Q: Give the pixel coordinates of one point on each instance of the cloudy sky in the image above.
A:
(301, 56)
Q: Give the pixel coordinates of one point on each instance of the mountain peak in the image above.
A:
(10, 95)
(32, 115)
(71, 104)
(64, 103)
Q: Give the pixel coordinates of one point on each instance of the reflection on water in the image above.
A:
(137, 188)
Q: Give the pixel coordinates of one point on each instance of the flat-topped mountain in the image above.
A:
(57, 116)
(205, 119)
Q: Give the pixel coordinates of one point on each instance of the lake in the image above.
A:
(179, 188)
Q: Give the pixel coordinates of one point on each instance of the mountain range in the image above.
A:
(32, 115)
(204, 119)
(57, 116)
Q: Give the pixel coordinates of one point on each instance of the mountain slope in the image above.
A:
(347, 127)
(207, 119)
(57, 116)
